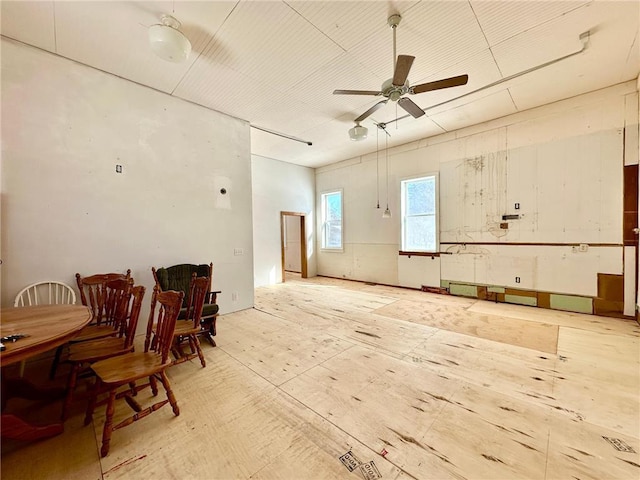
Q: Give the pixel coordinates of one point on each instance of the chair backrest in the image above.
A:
(178, 277)
(117, 300)
(94, 294)
(45, 293)
(163, 320)
(132, 314)
(197, 293)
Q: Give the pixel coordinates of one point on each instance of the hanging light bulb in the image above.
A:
(387, 212)
(168, 42)
(358, 132)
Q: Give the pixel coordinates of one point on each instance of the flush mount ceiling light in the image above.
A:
(358, 132)
(168, 42)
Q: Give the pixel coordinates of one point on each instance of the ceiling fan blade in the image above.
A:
(403, 65)
(370, 111)
(410, 107)
(438, 84)
(356, 92)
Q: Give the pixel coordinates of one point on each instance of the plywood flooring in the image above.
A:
(422, 385)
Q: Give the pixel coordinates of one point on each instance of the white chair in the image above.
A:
(44, 293)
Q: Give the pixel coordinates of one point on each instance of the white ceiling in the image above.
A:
(276, 63)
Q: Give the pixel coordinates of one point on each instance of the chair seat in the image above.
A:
(208, 309)
(185, 328)
(93, 332)
(97, 350)
(129, 367)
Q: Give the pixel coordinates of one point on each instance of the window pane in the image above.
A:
(420, 197)
(420, 233)
(334, 207)
(332, 221)
(334, 235)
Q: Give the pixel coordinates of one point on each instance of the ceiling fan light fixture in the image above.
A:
(167, 42)
(358, 132)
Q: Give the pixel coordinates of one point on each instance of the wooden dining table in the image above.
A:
(45, 327)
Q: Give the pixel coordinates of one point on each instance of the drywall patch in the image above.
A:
(463, 290)
(521, 300)
(571, 303)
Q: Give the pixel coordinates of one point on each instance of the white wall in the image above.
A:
(65, 126)
(563, 163)
(279, 187)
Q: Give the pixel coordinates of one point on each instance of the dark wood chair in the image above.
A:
(189, 328)
(96, 293)
(178, 277)
(81, 354)
(124, 370)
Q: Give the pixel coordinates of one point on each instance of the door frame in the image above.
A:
(303, 242)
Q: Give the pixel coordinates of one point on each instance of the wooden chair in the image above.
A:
(128, 312)
(178, 277)
(44, 293)
(116, 372)
(188, 328)
(95, 293)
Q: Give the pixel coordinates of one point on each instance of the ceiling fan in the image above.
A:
(394, 88)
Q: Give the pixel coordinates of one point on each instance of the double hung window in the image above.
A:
(419, 214)
(332, 220)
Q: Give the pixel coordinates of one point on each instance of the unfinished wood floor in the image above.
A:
(424, 386)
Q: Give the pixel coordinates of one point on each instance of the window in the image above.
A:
(419, 222)
(332, 220)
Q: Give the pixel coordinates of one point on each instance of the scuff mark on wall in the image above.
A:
(467, 250)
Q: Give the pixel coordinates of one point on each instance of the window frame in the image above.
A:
(324, 222)
(403, 215)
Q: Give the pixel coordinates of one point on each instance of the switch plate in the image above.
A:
(118, 168)
(517, 279)
(238, 251)
(517, 206)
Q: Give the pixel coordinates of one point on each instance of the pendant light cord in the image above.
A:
(386, 151)
(377, 167)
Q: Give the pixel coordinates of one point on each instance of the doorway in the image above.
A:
(293, 243)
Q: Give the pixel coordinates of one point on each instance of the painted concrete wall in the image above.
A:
(279, 187)
(563, 163)
(65, 127)
(292, 244)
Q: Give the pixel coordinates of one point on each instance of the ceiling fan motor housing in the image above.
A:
(394, 92)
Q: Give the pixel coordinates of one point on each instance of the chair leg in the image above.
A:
(56, 361)
(71, 385)
(154, 385)
(193, 339)
(108, 424)
(170, 395)
(91, 405)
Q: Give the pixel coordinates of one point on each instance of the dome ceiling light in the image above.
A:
(167, 42)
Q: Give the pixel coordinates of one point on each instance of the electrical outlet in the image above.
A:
(584, 247)
(118, 168)
(517, 279)
(517, 206)
(238, 251)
